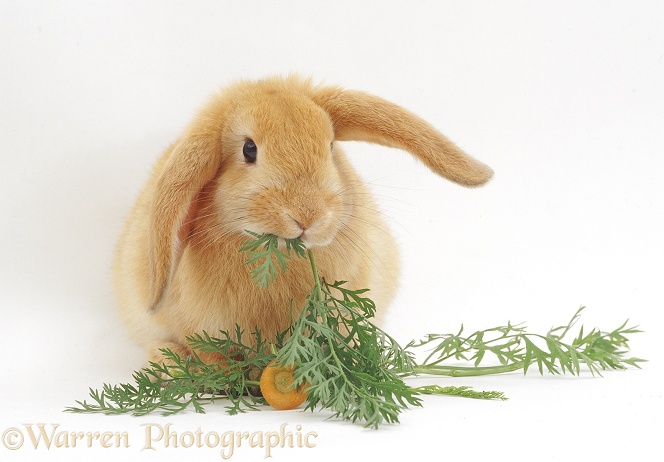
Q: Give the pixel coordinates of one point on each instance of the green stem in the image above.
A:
(320, 298)
(461, 371)
(176, 375)
(319, 289)
(467, 341)
(463, 391)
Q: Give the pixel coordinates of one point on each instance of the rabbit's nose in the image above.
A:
(308, 216)
(304, 222)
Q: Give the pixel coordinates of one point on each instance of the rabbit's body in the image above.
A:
(264, 157)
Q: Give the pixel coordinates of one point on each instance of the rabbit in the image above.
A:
(265, 156)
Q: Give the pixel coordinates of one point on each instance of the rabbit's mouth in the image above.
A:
(313, 233)
(310, 243)
(315, 227)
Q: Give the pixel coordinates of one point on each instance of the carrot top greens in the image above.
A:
(349, 366)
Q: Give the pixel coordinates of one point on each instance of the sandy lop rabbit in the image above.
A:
(264, 156)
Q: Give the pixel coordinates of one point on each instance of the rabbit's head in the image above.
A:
(262, 156)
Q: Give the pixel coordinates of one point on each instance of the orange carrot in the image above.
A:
(278, 387)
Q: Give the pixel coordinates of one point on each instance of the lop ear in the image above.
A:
(192, 163)
(360, 116)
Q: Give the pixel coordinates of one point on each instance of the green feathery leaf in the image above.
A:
(354, 369)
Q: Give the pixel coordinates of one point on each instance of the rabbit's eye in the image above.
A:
(249, 150)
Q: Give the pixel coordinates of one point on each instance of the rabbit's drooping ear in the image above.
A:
(193, 162)
(360, 116)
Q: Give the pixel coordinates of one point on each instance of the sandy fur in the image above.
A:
(177, 269)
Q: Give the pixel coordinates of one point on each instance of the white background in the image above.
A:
(564, 101)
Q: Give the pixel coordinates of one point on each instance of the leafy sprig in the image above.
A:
(178, 383)
(516, 349)
(350, 364)
(265, 248)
